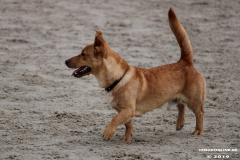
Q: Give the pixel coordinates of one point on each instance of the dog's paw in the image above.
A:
(179, 127)
(126, 138)
(109, 132)
(197, 132)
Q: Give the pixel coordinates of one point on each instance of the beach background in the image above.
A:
(47, 114)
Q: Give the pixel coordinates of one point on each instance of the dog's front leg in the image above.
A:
(122, 117)
(129, 132)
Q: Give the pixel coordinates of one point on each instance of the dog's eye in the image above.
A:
(83, 54)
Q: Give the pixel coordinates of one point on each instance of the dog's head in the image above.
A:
(90, 59)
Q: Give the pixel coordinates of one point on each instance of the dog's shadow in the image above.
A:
(157, 137)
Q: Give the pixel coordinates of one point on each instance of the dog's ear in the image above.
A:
(99, 44)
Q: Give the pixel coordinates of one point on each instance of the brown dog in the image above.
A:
(133, 91)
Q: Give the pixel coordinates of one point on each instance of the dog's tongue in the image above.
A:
(79, 69)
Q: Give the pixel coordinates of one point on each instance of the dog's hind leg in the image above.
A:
(181, 116)
(129, 132)
(197, 109)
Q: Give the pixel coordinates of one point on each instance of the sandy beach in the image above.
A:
(47, 114)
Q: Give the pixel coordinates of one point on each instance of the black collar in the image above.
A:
(108, 89)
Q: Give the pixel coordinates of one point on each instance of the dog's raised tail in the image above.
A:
(181, 36)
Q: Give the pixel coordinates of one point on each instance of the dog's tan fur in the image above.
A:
(142, 90)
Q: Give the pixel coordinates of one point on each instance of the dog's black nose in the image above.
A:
(66, 62)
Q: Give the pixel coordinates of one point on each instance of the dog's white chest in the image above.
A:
(110, 99)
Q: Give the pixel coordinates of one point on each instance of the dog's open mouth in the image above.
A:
(81, 71)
